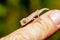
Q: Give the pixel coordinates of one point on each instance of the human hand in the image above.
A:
(39, 29)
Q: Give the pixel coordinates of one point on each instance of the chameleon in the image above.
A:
(32, 16)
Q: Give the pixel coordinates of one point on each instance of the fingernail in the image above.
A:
(55, 16)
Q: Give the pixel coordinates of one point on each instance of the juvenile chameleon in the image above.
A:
(32, 16)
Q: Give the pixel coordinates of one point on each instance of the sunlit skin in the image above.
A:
(39, 29)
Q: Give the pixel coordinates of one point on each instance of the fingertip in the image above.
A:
(55, 16)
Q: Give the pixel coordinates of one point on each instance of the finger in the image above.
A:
(51, 22)
(56, 17)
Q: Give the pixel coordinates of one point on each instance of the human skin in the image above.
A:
(39, 29)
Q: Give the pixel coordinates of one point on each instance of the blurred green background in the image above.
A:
(12, 11)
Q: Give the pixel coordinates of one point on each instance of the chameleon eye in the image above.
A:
(23, 21)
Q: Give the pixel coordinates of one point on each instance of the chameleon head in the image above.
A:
(23, 21)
